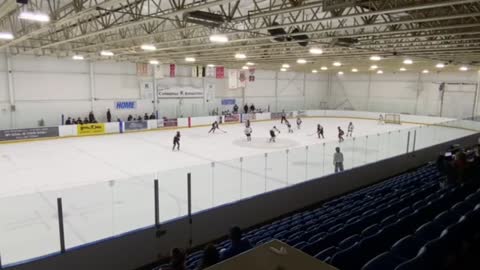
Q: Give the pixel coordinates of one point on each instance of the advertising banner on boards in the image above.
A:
(28, 133)
(170, 122)
(136, 125)
(232, 118)
(90, 129)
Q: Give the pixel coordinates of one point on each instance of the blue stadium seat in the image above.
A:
(407, 247)
(446, 218)
(461, 208)
(384, 261)
(370, 230)
(326, 253)
(349, 241)
(428, 231)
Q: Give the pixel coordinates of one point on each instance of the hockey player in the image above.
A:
(176, 141)
(214, 127)
(273, 134)
(289, 126)
(350, 130)
(299, 122)
(284, 117)
(320, 131)
(247, 123)
(340, 134)
(248, 133)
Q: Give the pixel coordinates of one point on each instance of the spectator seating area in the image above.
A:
(406, 222)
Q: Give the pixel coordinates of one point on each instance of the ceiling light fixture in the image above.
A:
(340, 73)
(283, 69)
(190, 59)
(408, 61)
(210, 65)
(250, 64)
(337, 64)
(77, 57)
(380, 72)
(463, 68)
(6, 36)
(218, 38)
(315, 50)
(285, 66)
(440, 65)
(154, 62)
(403, 69)
(240, 56)
(106, 53)
(34, 16)
(148, 47)
(301, 61)
(324, 68)
(314, 71)
(425, 71)
(375, 58)
(354, 70)
(373, 67)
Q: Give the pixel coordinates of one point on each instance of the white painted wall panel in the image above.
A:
(48, 64)
(3, 86)
(116, 87)
(50, 86)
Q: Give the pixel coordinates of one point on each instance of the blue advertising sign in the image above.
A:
(125, 105)
(228, 101)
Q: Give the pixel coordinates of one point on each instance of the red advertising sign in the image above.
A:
(172, 70)
(232, 118)
(220, 72)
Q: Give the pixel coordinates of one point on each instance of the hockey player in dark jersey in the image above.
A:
(320, 131)
(176, 141)
(340, 134)
(214, 127)
(273, 134)
(350, 130)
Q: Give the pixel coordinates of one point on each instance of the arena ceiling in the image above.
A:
(269, 32)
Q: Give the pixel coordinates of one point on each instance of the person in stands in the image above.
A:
(245, 108)
(109, 116)
(237, 244)
(145, 117)
(177, 260)
(69, 121)
(152, 116)
(91, 117)
(235, 108)
(210, 257)
(79, 121)
(86, 121)
(252, 108)
(130, 118)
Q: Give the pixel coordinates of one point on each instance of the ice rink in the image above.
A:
(106, 182)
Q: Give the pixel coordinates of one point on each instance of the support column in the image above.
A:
(475, 105)
(92, 84)
(276, 91)
(304, 90)
(418, 93)
(11, 90)
(154, 90)
(368, 89)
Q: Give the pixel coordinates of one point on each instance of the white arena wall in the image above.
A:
(45, 88)
(406, 92)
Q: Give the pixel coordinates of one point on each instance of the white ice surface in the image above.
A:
(106, 182)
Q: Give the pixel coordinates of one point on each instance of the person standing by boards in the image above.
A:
(340, 134)
(248, 133)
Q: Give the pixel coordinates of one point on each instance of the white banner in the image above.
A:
(179, 92)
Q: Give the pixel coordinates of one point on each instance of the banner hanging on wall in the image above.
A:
(125, 105)
(179, 92)
(90, 129)
(28, 133)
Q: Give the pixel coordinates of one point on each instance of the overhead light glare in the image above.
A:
(337, 64)
(301, 61)
(380, 72)
(440, 65)
(283, 69)
(6, 36)
(340, 73)
(425, 71)
(373, 67)
(210, 65)
(314, 71)
(285, 66)
(154, 62)
(354, 70)
(34, 16)
(408, 61)
(190, 59)
(316, 50)
(217, 38)
(375, 58)
(106, 53)
(77, 57)
(240, 56)
(403, 69)
(148, 47)
(463, 68)
(250, 64)
(324, 68)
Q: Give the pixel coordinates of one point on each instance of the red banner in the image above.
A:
(220, 72)
(172, 70)
(232, 118)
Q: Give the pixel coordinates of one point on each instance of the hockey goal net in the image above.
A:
(392, 118)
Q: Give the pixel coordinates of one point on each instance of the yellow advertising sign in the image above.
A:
(90, 129)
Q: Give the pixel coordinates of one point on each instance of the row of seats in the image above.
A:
(372, 226)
